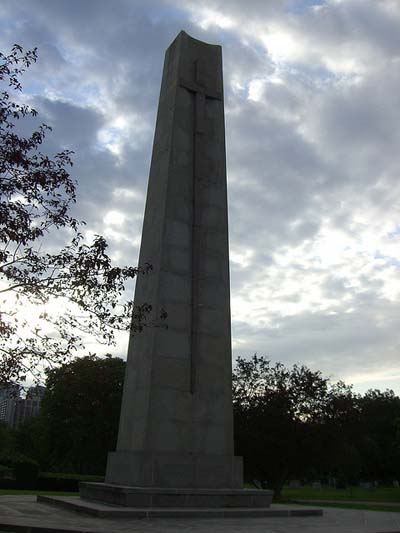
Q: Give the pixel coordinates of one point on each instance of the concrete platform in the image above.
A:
(112, 511)
(128, 496)
(22, 514)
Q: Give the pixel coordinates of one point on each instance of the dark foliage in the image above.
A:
(6, 438)
(296, 424)
(26, 470)
(289, 424)
(379, 435)
(36, 194)
(276, 410)
(80, 414)
(64, 482)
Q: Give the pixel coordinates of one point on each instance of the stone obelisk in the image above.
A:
(176, 430)
(176, 418)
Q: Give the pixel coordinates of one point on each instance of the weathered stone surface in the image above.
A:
(196, 469)
(173, 497)
(125, 518)
(176, 417)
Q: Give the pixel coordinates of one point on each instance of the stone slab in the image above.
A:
(180, 470)
(176, 498)
(108, 511)
(23, 514)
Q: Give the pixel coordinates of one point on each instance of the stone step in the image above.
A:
(127, 496)
(109, 511)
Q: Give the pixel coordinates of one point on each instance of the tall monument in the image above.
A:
(176, 418)
(176, 429)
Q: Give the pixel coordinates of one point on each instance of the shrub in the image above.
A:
(26, 469)
(58, 481)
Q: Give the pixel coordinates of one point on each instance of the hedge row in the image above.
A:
(25, 470)
(63, 482)
(26, 476)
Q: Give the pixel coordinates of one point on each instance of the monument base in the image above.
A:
(144, 497)
(174, 470)
(144, 480)
(101, 510)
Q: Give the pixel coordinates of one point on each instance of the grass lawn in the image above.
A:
(15, 492)
(365, 507)
(379, 494)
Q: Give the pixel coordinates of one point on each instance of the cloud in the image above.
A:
(312, 139)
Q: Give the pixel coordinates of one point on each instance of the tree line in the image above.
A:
(294, 423)
(290, 423)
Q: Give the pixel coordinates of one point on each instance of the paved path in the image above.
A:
(358, 502)
(23, 510)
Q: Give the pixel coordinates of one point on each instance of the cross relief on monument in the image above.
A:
(197, 87)
(199, 180)
(202, 93)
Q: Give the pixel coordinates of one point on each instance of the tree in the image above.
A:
(36, 194)
(30, 439)
(6, 438)
(80, 414)
(339, 434)
(379, 435)
(281, 420)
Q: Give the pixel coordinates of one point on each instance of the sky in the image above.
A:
(312, 117)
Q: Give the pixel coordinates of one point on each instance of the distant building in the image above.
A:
(15, 410)
(36, 393)
(25, 409)
(10, 390)
(9, 395)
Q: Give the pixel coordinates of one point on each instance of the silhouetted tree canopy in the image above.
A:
(294, 423)
(290, 423)
(274, 408)
(36, 194)
(80, 413)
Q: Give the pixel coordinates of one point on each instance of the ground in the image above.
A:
(23, 510)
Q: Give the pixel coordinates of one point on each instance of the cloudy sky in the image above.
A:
(313, 140)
